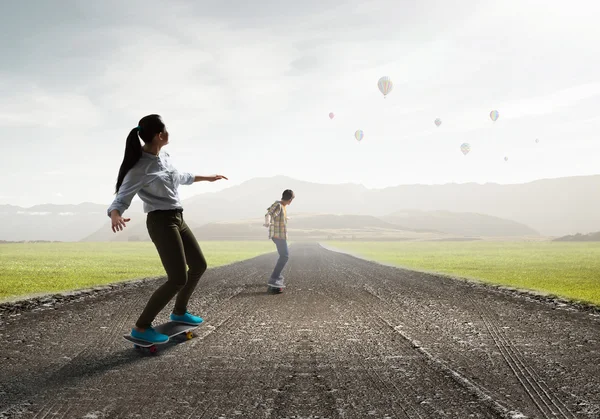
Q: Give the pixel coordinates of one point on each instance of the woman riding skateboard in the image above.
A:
(148, 172)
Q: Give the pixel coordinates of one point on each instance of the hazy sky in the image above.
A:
(246, 87)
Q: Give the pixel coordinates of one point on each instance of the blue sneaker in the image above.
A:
(150, 335)
(187, 318)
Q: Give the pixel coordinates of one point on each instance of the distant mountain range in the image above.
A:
(591, 237)
(463, 223)
(51, 222)
(328, 226)
(551, 207)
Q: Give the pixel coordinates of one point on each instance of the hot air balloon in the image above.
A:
(331, 115)
(385, 85)
(437, 122)
(494, 115)
(465, 148)
(537, 140)
(505, 158)
(359, 135)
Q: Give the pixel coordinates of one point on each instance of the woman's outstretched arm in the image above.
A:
(209, 178)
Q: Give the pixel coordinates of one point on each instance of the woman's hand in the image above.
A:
(209, 178)
(215, 177)
(118, 222)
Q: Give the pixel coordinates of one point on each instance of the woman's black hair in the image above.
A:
(147, 128)
(287, 195)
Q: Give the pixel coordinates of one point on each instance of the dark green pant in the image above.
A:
(177, 247)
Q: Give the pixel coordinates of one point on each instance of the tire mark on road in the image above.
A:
(496, 407)
(539, 394)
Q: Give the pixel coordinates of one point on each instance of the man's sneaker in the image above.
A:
(187, 318)
(150, 335)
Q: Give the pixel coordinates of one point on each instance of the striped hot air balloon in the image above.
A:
(465, 148)
(385, 85)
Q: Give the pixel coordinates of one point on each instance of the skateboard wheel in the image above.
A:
(153, 349)
(189, 335)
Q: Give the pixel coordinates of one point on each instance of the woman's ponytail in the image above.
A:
(147, 128)
(133, 152)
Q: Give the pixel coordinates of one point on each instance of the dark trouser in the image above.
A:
(176, 246)
(284, 255)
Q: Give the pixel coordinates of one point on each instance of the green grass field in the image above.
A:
(33, 268)
(570, 270)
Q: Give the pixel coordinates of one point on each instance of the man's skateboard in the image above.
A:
(170, 329)
(274, 290)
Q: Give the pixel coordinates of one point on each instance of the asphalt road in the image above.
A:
(347, 339)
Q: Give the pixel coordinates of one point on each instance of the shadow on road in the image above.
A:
(26, 388)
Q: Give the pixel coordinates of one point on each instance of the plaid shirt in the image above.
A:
(278, 227)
